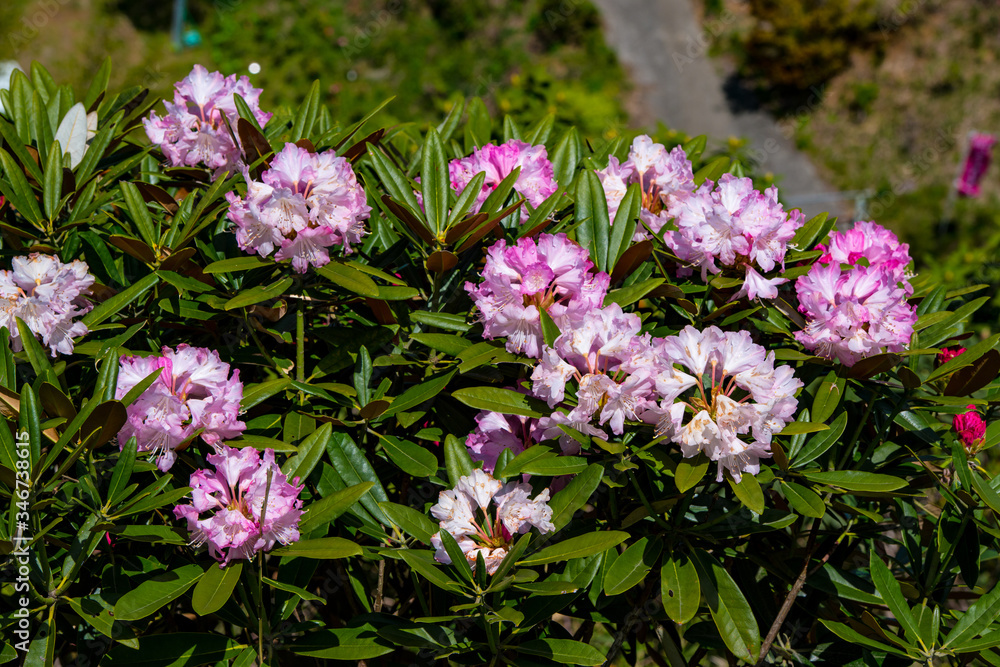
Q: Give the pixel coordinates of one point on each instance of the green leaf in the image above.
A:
(852, 636)
(434, 182)
(553, 466)
(17, 190)
(828, 396)
(421, 393)
(259, 293)
(459, 562)
(550, 330)
(577, 547)
(448, 321)
(965, 359)
(310, 452)
(795, 428)
(258, 393)
(116, 303)
(52, 185)
(152, 594)
(351, 644)
(631, 567)
(215, 588)
(980, 616)
(294, 590)
(729, 608)
(305, 117)
(680, 588)
(749, 492)
(890, 591)
(235, 264)
(575, 495)
(624, 224)
(818, 444)
(456, 459)
(410, 457)
(566, 156)
(504, 401)
(712, 171)
(815, 229)
(856, 480)
(349, 278)
(803, 500)
(422, 562)
(179, 649)
(322, 548)
(325, 510)
(417, 524)
(123, 470)
(447, 343)
(515, 465)
(689, 472)
(565, 651)
(632, 293)
(35, 352)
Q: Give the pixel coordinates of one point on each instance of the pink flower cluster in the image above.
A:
(228, 509)
(535, 182)
(731, 223)
(665, 180)
(620, 375)
(193, 131)
(467, 513)
(551, 274)
(193, 395)
(971, 429)
(303, 204)
(47, 295)
(862, 310)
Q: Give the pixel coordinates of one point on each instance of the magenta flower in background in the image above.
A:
(483, 515)
(948, 353)
(551, 274)
(535, 182)
(304, 204)
(730, 224)
(739, 392)
(193, 131)
(862, 310)
(48, 296)
(665, 179)
(971, 429)
(194, 395)
(977, 161)
(227, 505)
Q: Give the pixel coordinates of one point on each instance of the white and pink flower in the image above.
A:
(483, 515)
(193, 132)
(535, 182)
(194, 395)
(48, 296)
(304, 204)
(228, 510)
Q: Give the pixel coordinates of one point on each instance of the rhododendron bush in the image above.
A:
(284, 388)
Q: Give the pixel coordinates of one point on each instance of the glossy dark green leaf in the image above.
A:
(410, 457)
(321, 512)
(729, 608)
(215, 588)
(576, 547)
(496, 399)
(152, 594)
(680, 588)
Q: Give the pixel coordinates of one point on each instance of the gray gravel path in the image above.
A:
(663, 46)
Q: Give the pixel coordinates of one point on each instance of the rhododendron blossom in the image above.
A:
(496, 432)
(193, 132)
(971, 429)
(860, 311)
(665, 179)
(304, 204)
(193, 395)
(48, 296)
(948, 353)
(535, 182)
(244, 506)
(729, 224)
(551, 274)
(732, 389)
(483, 515)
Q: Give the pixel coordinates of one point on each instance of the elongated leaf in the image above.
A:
(632, 293)
(351, 644)
(354, 468)
(422, 562)
(260, 293)
(980, 616)
(180, 649)
(323, 548)
(889, 589)
(119, 301)
(235, 264)
(496, 399)
(680, 587)
(456, 459)
(414, 396)
(856, 480)
(729, 608)
(410, 457)
(415, 523)
(749, 492)
(803, 500)
(631, 567)
(565, 651)
(325, 510)
(349, 278)
(151, 595)
(817, 445)
(690, 472)
(434, 182)
(448, 321)
(215, 588)
(577, 547)
(575, 495)
(310, 452)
